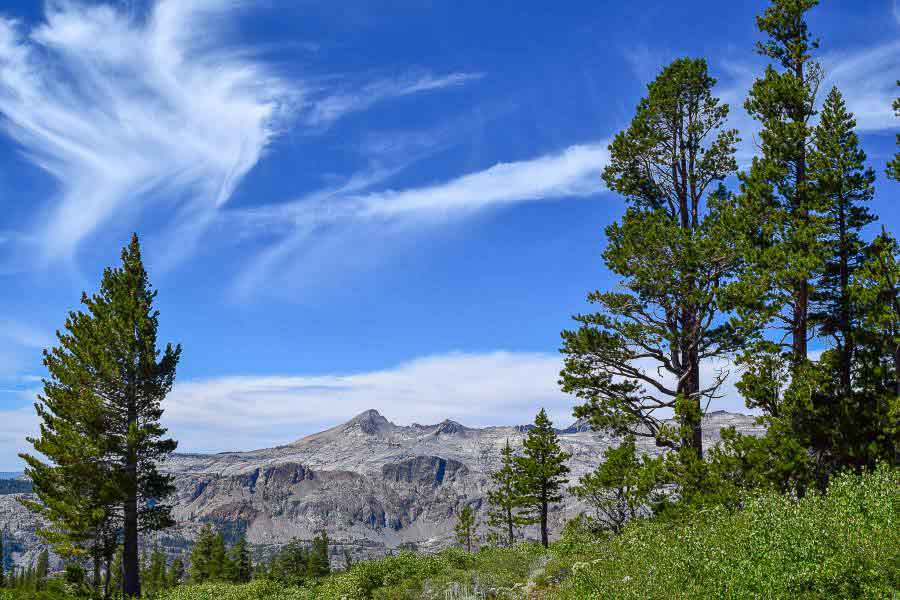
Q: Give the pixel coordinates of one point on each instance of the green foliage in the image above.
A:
(208, 557)
(154, 576)
(239, 565)
(100, 422)
(115, 572)
(777, 216)
(465, 527)
(839, 545)
(837, 166)
(503, 499)
(619, 489)
(299, 562)
(41, 570)
(673, 251)
(842, 545)
(540, 473)
(175, 575)
(318, 562)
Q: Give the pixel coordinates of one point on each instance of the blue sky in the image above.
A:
(346, 206)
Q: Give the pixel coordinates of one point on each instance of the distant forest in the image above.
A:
(14, 486)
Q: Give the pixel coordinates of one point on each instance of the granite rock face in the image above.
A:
(372, 485)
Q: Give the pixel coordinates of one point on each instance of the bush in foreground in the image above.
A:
(842, 545)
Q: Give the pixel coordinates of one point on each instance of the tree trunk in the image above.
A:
(106, 578)
(95, 580)
(544, 538)
(694, 389)
(897, 368)
(801, 290)
(131, 576)
(509, 523)
(846, 331)
(131, 582)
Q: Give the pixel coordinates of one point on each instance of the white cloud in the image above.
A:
(865, 76)
(115, 108)
(475, 389)
(249, 412)
(496, 388)
(868, 80)
(332, 106)
(337, 213)
(15, 425)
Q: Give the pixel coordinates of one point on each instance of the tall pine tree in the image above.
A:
(632, 360)
(239, 562)
(844, 185)
(465, 527)
(101, 410)
(207, 556)
(41, 570)
(175, 575)
(778, 201)
(503, 499)
(541, 473)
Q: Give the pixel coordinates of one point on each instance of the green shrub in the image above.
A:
(843, 545)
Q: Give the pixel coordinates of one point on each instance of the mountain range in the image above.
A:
(373, 486)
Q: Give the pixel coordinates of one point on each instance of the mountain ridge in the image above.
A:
(372, 485)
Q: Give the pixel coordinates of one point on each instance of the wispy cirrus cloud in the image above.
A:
(866, 77)
(128, 113)
(331, 106)
(336, 213)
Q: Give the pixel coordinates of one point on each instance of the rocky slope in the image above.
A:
(372, 485)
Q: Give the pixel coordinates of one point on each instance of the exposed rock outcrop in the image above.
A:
(372, 485)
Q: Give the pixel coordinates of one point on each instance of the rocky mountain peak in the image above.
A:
(448, 427)
(579, 426)
(370, 422)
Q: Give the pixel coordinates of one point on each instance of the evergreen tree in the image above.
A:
(837, 167)
(176, 573)
(115, 573)
(100, 414)
(778, 202)
(876, 290)
(155, 581)
(617, 490)
(208, 556)
(317, 561)
(503, 500)
(834, 414)
(290, 565)
(240, 565)
(540, 473)
(41, 570)
(261, 570)
(674, 251)
(465, 527)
